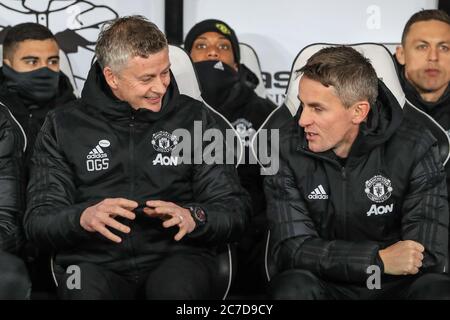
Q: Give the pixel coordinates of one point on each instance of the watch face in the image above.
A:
(200, 215)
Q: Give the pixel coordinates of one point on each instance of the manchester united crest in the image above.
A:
(378, 188)
(163, 141)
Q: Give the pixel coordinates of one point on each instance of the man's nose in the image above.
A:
(212, 53)
(305, 118)
(159, 86)
(433, 54)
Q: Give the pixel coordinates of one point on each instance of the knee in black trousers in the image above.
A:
(182, 277)
(14, 280)
(95, 283)
(295, 284)
(430, 286)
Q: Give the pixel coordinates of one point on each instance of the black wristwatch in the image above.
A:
(198, 215)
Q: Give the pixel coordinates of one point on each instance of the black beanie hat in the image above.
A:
(215, 26)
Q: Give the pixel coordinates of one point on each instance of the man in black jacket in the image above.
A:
(103, 176)
(424, 63)
(31, 83)
(14, 281)
(359, 205)
(228, 86)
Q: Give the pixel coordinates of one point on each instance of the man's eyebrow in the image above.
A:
(152, 75)
(29, 57)
(53, 57)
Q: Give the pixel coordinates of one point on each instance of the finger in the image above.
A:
(166, 210)
(417, 246)
(419, 255)
(420, 247)
(149, 211)
(122, 202)
(414, 270)
(120, 211)
(175, 220)
(180, 234)
(159, 203)
(116, 225)
(108, 234)
(152, 213)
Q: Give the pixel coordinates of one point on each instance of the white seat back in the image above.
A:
(250, 58)
(379, 56)
(187, 81)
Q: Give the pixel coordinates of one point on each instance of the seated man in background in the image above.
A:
(360, 192)
(424, 63)
(14, 281)
(424, 66)
(31, 84)
(131, 224)
(228, 87)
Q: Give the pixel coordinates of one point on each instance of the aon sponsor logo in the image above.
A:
(378, 210)
(165, 160)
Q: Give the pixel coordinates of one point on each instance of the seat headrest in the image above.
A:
(184, 73)
(250, 59)
(379, 56)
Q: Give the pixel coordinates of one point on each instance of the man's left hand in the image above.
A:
(172, 215)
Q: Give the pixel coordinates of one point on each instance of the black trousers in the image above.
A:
(299, 284)
(178, 277)
(14, 281)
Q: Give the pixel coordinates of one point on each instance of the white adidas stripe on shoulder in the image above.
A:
(21, 129)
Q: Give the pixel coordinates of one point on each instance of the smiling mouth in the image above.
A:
(153, 99)
(310, 135)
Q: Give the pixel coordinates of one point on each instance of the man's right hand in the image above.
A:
(402, 258)
(97, 217)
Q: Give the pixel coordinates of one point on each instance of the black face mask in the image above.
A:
(217, 79)
(39, 85)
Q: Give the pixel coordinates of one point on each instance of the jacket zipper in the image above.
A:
(131, 156)
(131, 192)
(344, 200)
(344, 184)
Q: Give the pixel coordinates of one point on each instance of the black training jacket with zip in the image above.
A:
(12, 185)
(100, 147)
(332, 219)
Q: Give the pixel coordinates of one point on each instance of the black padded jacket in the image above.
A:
(332, 218)
(12, 185)
(100, 147)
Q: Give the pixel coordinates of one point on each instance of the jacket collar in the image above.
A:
(21, 107)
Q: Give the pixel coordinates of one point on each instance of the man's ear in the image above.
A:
(7, 62)
(360, 111)
(110, 77)
(400, 55)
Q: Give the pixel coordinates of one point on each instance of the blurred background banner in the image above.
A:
(276, 29)
(279, 29)
(76, 23)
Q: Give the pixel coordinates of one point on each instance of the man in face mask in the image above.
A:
(31, 83)
(228, 87)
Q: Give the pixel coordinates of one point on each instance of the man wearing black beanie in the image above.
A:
(228, 87)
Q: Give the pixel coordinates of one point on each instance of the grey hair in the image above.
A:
(127, 37)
